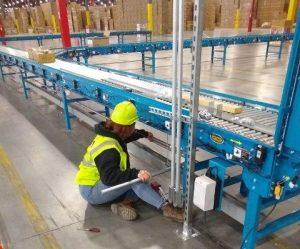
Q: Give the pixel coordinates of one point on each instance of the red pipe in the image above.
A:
(251, 16)
(2, 31)
(63, 22)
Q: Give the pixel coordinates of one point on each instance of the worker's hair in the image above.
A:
(121, 130)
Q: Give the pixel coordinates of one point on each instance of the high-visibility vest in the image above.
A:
(88, 173)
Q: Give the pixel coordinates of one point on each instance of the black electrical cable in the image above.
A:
(262, 221)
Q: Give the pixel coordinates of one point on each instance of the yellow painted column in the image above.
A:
(237, 19)
(291, 16)
(88, 19)
(150, 15)
(54, 24)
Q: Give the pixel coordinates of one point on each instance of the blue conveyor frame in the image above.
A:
(280, 166)
(82, 36)
(153, 47)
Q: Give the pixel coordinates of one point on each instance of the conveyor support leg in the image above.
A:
(251, 220)
(107, 112)
(143, 62)
(44, 78)
(66, 110)
(23, 77)
(1, 71)
(153, 61)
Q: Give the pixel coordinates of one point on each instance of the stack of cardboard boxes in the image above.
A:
(117, 16)
(162, 16)
(9, 25)
(228, 11)
(100, 16)
(37, 19)
(134, 12)
(51, 17)
(218, 4)
(75, 10)
(245, 8)
(209, 14)
(188, 15)
(17, 21)
(268, 10)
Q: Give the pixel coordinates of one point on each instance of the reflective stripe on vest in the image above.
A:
(88, 173)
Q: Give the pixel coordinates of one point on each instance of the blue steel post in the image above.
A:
(251, 220)
(107, 112)
(212, 54)
(143, 61)
(153, 60)
(44, 77)
(267, 50)
(286, 129)
(66, 109)
(1, 71)
(280, 49)
(24, 85)
(224, 54)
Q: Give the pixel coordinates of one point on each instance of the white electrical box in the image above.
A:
(204, 193)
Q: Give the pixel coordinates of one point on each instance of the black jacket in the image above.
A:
(108, 162)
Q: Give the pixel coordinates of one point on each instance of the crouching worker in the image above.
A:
(106, 163)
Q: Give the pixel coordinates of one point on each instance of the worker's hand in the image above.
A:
(144, 175)
(150, 136)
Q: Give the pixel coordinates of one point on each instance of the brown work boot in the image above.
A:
(125, 210)
(173, 213)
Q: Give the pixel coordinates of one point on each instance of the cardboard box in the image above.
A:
(41, 55)
(98, 41)
(207, 102)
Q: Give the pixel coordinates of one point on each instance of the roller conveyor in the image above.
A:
(263, 120)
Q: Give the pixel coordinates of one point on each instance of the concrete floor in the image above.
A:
(40, 204)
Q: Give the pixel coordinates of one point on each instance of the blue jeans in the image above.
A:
(93, 195)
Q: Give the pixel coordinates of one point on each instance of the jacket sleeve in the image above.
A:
(137, 134)
(108, 165)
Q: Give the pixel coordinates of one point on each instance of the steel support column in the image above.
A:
(174, 98)
(63, 22)
(195, 87)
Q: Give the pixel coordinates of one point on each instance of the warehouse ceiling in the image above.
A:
(32, 3)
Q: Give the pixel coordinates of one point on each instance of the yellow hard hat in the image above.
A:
(125, 113)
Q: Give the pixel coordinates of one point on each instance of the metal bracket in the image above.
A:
(167, 114)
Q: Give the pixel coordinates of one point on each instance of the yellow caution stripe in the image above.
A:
(39, 224)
